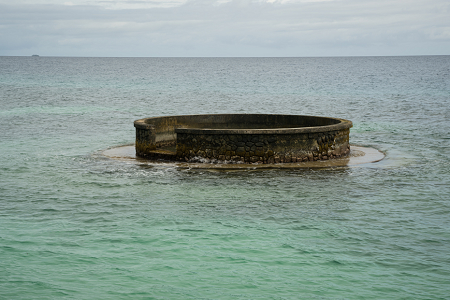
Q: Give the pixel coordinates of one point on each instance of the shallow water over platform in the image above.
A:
(358, 156)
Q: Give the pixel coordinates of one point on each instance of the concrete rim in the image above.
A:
(340, 124)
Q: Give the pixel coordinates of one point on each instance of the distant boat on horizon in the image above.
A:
(35, 55)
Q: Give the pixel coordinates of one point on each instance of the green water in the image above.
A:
(77, 225)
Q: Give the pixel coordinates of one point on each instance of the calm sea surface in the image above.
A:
(76, 225)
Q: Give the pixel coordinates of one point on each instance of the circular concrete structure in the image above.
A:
(239, 138)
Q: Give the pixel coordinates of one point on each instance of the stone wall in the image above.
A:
(262, 148)
(242, 138)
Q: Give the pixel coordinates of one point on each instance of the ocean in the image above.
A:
(75, 224)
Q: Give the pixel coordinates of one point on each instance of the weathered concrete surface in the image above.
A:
(250, 138)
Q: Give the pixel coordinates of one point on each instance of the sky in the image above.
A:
(224, 28)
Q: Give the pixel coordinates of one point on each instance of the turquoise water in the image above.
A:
(76, 225)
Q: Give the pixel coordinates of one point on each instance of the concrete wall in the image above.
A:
(243, 137)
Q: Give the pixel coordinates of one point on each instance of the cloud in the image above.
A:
(225, 28)
(109, 4)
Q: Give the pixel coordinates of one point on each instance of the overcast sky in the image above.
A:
(224, 27)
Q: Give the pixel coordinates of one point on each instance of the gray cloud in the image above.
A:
(233, 28)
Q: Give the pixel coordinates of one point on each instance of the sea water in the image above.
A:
(77, 225)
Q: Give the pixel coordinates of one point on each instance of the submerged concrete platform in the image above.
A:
(358, 156)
